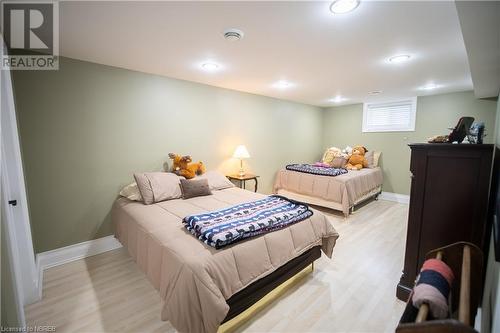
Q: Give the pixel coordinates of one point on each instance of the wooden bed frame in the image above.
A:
(246, 303)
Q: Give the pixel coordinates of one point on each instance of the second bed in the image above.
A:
(342, 192)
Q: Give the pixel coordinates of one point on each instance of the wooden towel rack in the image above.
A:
(465, 260)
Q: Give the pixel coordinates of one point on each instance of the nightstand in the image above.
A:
(242, 179)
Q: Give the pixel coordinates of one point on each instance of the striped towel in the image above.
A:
(433, 287)
(226, 226)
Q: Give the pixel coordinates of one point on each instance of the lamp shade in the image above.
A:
(241, 152)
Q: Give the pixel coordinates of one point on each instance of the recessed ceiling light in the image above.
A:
(338, 99)
(282, 84)
(343, 6)
(210, 66)
(430, 86)
(400, 58)
(233, 35)
(375, 92)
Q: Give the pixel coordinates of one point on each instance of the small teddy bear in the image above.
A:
(347, 151)
(357, 160)
(182, 166)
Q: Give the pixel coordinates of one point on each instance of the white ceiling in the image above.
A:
(323, 54)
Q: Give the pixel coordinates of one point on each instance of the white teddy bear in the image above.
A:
(347, 151)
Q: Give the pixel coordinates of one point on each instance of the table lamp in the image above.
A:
(241, 152)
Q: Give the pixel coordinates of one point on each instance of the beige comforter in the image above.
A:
(345, 189)
(194, 279)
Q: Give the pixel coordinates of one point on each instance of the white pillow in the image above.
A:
(131, 192)
(216, 180)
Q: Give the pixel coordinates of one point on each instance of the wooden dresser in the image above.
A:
(448, 201)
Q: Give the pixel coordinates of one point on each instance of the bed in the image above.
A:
(202, 287)
(341, 192)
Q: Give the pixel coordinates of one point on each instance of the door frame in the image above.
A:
(17, 222)
(13, 262)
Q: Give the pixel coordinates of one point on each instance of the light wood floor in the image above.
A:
(353, 292)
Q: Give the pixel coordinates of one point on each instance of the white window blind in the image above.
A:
(394, 116)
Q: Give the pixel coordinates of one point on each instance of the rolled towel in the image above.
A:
(436, 280)
(433, 287)
(426, 293)
(440, 267)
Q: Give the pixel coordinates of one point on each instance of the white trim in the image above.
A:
(13, 260)
(396, 197)
(13, 188)
(477, 320)
(74, 252)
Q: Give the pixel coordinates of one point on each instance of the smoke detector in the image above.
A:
(233, 35)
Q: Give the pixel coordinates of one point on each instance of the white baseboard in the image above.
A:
(396, 197)
(477, 320)
(74, 252)
(71, 253)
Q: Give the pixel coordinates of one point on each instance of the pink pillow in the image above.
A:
(322, 165)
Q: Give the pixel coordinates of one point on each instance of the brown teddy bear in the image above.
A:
(182, 166)
(357, 159)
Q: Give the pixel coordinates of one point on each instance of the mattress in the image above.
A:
(343, 191)
(195, 280)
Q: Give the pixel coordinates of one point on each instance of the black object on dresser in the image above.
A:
(448, 201)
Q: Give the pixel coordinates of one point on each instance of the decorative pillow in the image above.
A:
(158, 186)
(322, 165)
(372, 157)
(194, 188)
(376, 158)
(216, 180)
(339, 162)
(369, 159)
(131, 192)
(328, 156)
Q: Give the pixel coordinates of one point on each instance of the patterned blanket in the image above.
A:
(226, 226)
(316, 170)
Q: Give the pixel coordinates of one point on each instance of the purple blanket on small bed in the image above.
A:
(316, 170)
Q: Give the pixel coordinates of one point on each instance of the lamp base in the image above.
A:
(241, 173)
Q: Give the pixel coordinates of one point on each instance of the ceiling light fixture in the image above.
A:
(210, 66)
(430, 86)
(282, 84)
(233, 35)
(343, 6)
(400, 58)
(338, 99)
(375, 92)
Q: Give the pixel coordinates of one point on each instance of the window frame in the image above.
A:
(413, 116)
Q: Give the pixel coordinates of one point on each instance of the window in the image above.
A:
(394, 116)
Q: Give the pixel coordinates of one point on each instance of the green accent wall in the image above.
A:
(86, 128)
(435, 114)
